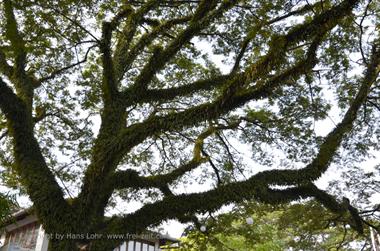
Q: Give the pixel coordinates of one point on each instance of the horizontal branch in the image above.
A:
(177, 206)
(159, 95)
(136, 133)
(131, 179)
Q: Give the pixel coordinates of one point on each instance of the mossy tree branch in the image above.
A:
(13, 35)
(258, 185)
(176, 206)
(326, 20)
(138, 132)
(109, 84)
(167, 94)
(113, 115)
(131, 179)
(121, 54)
(30, 164)
(106, 159)
(253, 32)
(92, 197)
(20, 79)
(333, 140)
(203, 15)
(123, 57)
(279, 44)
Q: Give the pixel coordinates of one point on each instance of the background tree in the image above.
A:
(165, 113)
(304, 226)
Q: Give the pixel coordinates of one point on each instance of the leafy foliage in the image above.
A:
(306, 226)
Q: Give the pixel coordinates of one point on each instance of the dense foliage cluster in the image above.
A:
(306, 226)
(109, 101)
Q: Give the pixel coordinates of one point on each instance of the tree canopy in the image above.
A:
(109, 101)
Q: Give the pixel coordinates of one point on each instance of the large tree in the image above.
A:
(167, 112)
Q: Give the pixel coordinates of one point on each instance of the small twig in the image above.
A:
(60, 71)
(216, 171)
